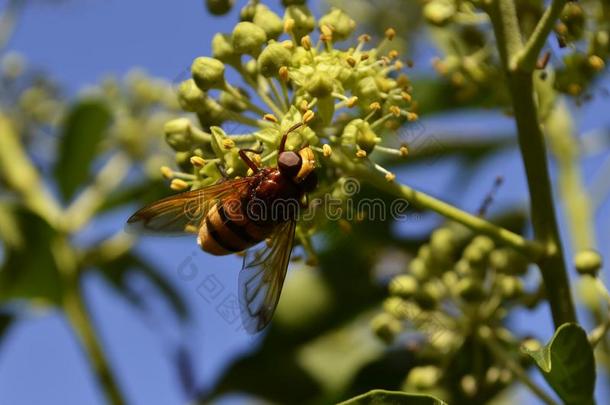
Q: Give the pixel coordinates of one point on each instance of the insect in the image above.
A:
(236, 214)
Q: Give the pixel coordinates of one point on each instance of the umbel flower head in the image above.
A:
(289, 69)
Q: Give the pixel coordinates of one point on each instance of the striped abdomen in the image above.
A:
(226, 229)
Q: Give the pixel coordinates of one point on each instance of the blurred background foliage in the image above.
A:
(67, 163)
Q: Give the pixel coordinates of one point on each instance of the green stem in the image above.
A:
(534, 155)
(75, 308)
(526, 58)
(363, 171)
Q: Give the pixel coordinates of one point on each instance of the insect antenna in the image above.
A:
(489, 198)
(285, 136)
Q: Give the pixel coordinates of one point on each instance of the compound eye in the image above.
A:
(289, 163)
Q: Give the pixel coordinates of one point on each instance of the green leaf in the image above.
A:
(567, 364)
(30, 271)
(82, 131)
(383, 397)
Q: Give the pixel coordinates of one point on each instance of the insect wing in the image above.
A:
(262, 276)
(183, 213)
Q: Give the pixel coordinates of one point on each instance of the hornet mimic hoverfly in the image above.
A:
(235, 214)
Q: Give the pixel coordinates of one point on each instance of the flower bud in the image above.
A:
(423, 378)
(304, 22)
(341, 24)
(359, 132)
(439, 12)
(443, 243)
(508, 261)
(470, 289)
(222, 49)
(403, 286)
(428, 295)
(219, 7)
(272, 58)
(178, 134)
(573, 16)
(417, 267)
(386, 327)
(319, 85)
(248, 38)
(588, 261)
(510, 287)
(208, 73)
(367, 91)
(270, 22)
(190, 97)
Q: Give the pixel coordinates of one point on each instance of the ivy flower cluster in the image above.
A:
(458, 285)
(471, 64)
(272, 72)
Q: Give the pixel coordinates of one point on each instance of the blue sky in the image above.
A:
(78, 42)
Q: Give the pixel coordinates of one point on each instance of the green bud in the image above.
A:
(485, 243)
(190, 97)
(423, 377)
(386, 327)
(219, 7)
(341, 24)
(588, 261)
(208, 73)
(367, 91)
(270, 22)
(178, 134)
(443, 243)
(478, 251)
(403, 286)
(359, 132)
(272, 58)
(470, 289)
(463, 268)
(248, 38)
(304, 22)
(399, 308)
(418, 269)
(247, 12)
(319, 85)
(222, 49)
(508, 261)
(573, 16)
(232, 103)
(439, 12)
(428, 295)
(510, 287)
(251, 69)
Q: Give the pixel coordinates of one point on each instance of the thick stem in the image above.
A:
(534, 155)
(546, 231)
(526, 58)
